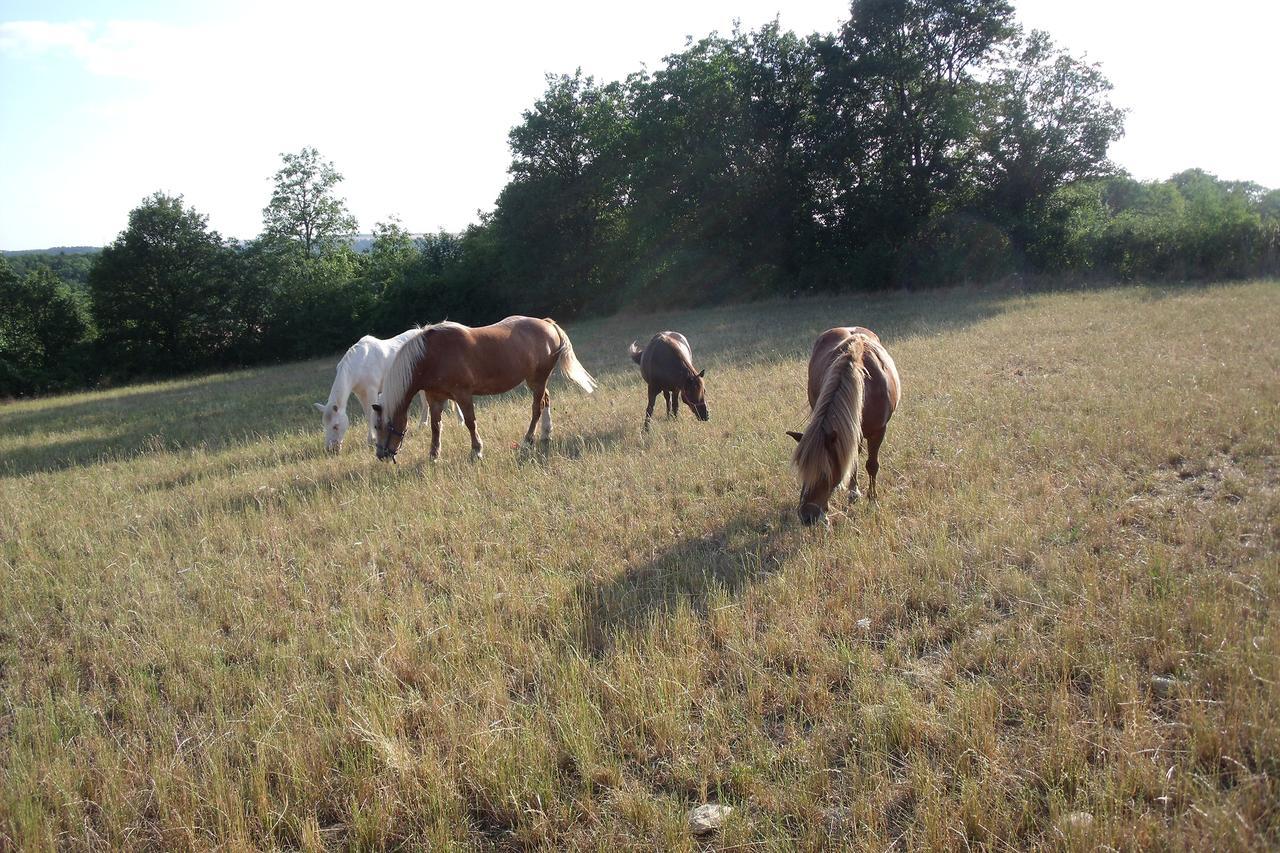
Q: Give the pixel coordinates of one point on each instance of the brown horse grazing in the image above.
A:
(853, 391)
(666, 363)
(449, 361)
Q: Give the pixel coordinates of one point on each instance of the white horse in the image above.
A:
(360, 372)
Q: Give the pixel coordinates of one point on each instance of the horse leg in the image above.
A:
(673, 403)
(546, 417)
(653, 398)
(854, 493)
(873, 461)
(435, 408)
(465, 403)
(426, 407)
(367, 405)
(539, 392)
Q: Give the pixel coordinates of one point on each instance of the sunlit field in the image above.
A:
(1058, 627)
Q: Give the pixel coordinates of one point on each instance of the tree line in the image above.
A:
(924, 143)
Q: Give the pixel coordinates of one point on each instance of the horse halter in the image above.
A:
(385, 452)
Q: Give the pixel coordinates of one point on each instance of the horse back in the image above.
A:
(881, 388)
(667, 361)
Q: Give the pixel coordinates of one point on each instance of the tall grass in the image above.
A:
(1057, 628)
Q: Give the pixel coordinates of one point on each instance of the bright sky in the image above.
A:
(102, 104)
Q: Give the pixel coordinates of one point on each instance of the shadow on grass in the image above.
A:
(743, 551)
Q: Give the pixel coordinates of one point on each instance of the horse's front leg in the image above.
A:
(366, 403)
(854, 493)
(673, 403)
(873, 462)
(435, 408)
(426, 407)
(469, 418)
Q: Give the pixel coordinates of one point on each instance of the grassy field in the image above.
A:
(1058, 628)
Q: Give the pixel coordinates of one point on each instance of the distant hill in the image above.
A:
(56, 250)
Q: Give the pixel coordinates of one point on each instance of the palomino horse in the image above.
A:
(666, 363)
(360, 372)
(450, 361)
(853, 391)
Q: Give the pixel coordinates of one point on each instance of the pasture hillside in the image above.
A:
(1057, 628)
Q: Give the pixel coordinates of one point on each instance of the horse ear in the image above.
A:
(319, 406)
(796, 435)
(702, 373)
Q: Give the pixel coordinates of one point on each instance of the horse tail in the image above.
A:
(636, 352)
(569, 364)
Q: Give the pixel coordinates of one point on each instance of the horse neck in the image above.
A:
(342, 385)
(415, 349)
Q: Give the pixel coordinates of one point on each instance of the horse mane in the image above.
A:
(395, 382)
(828, 450)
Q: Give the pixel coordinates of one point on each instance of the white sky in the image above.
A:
(102, 104)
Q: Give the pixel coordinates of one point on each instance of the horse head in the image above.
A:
(389, 430)
(694, 394)
(816, 483)
(335, 423)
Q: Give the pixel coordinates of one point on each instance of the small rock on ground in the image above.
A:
(708, 818)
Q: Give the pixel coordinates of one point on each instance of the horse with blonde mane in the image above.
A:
(449, 361)
(853, 392)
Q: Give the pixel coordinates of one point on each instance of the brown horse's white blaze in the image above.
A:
(449, 361)
(853, 392)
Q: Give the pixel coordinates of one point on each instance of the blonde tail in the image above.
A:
(569, 364)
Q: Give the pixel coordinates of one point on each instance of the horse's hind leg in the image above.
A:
(469, 418)
(653, 398)
(546, 416)
(873, 461)
(539, 392)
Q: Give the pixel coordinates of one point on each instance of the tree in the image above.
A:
(303, 208)
(559, 216)
(165, 292)
(43, 326)
(1048, 122)
(913, 65)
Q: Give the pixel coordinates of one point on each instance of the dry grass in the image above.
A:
(213, 635)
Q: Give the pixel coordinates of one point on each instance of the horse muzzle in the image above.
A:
(811, 514)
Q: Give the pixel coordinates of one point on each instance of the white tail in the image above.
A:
(569, 364)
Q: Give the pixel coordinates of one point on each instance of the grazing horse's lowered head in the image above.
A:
(335, 422)
(853, 391)
(359, 372)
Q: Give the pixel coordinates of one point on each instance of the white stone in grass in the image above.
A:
(864, 624)
(1075, 824)
(708, 817)
(1164, 686)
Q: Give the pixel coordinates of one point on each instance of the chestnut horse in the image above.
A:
(666, 364)
(449, 361)
(853, 391)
